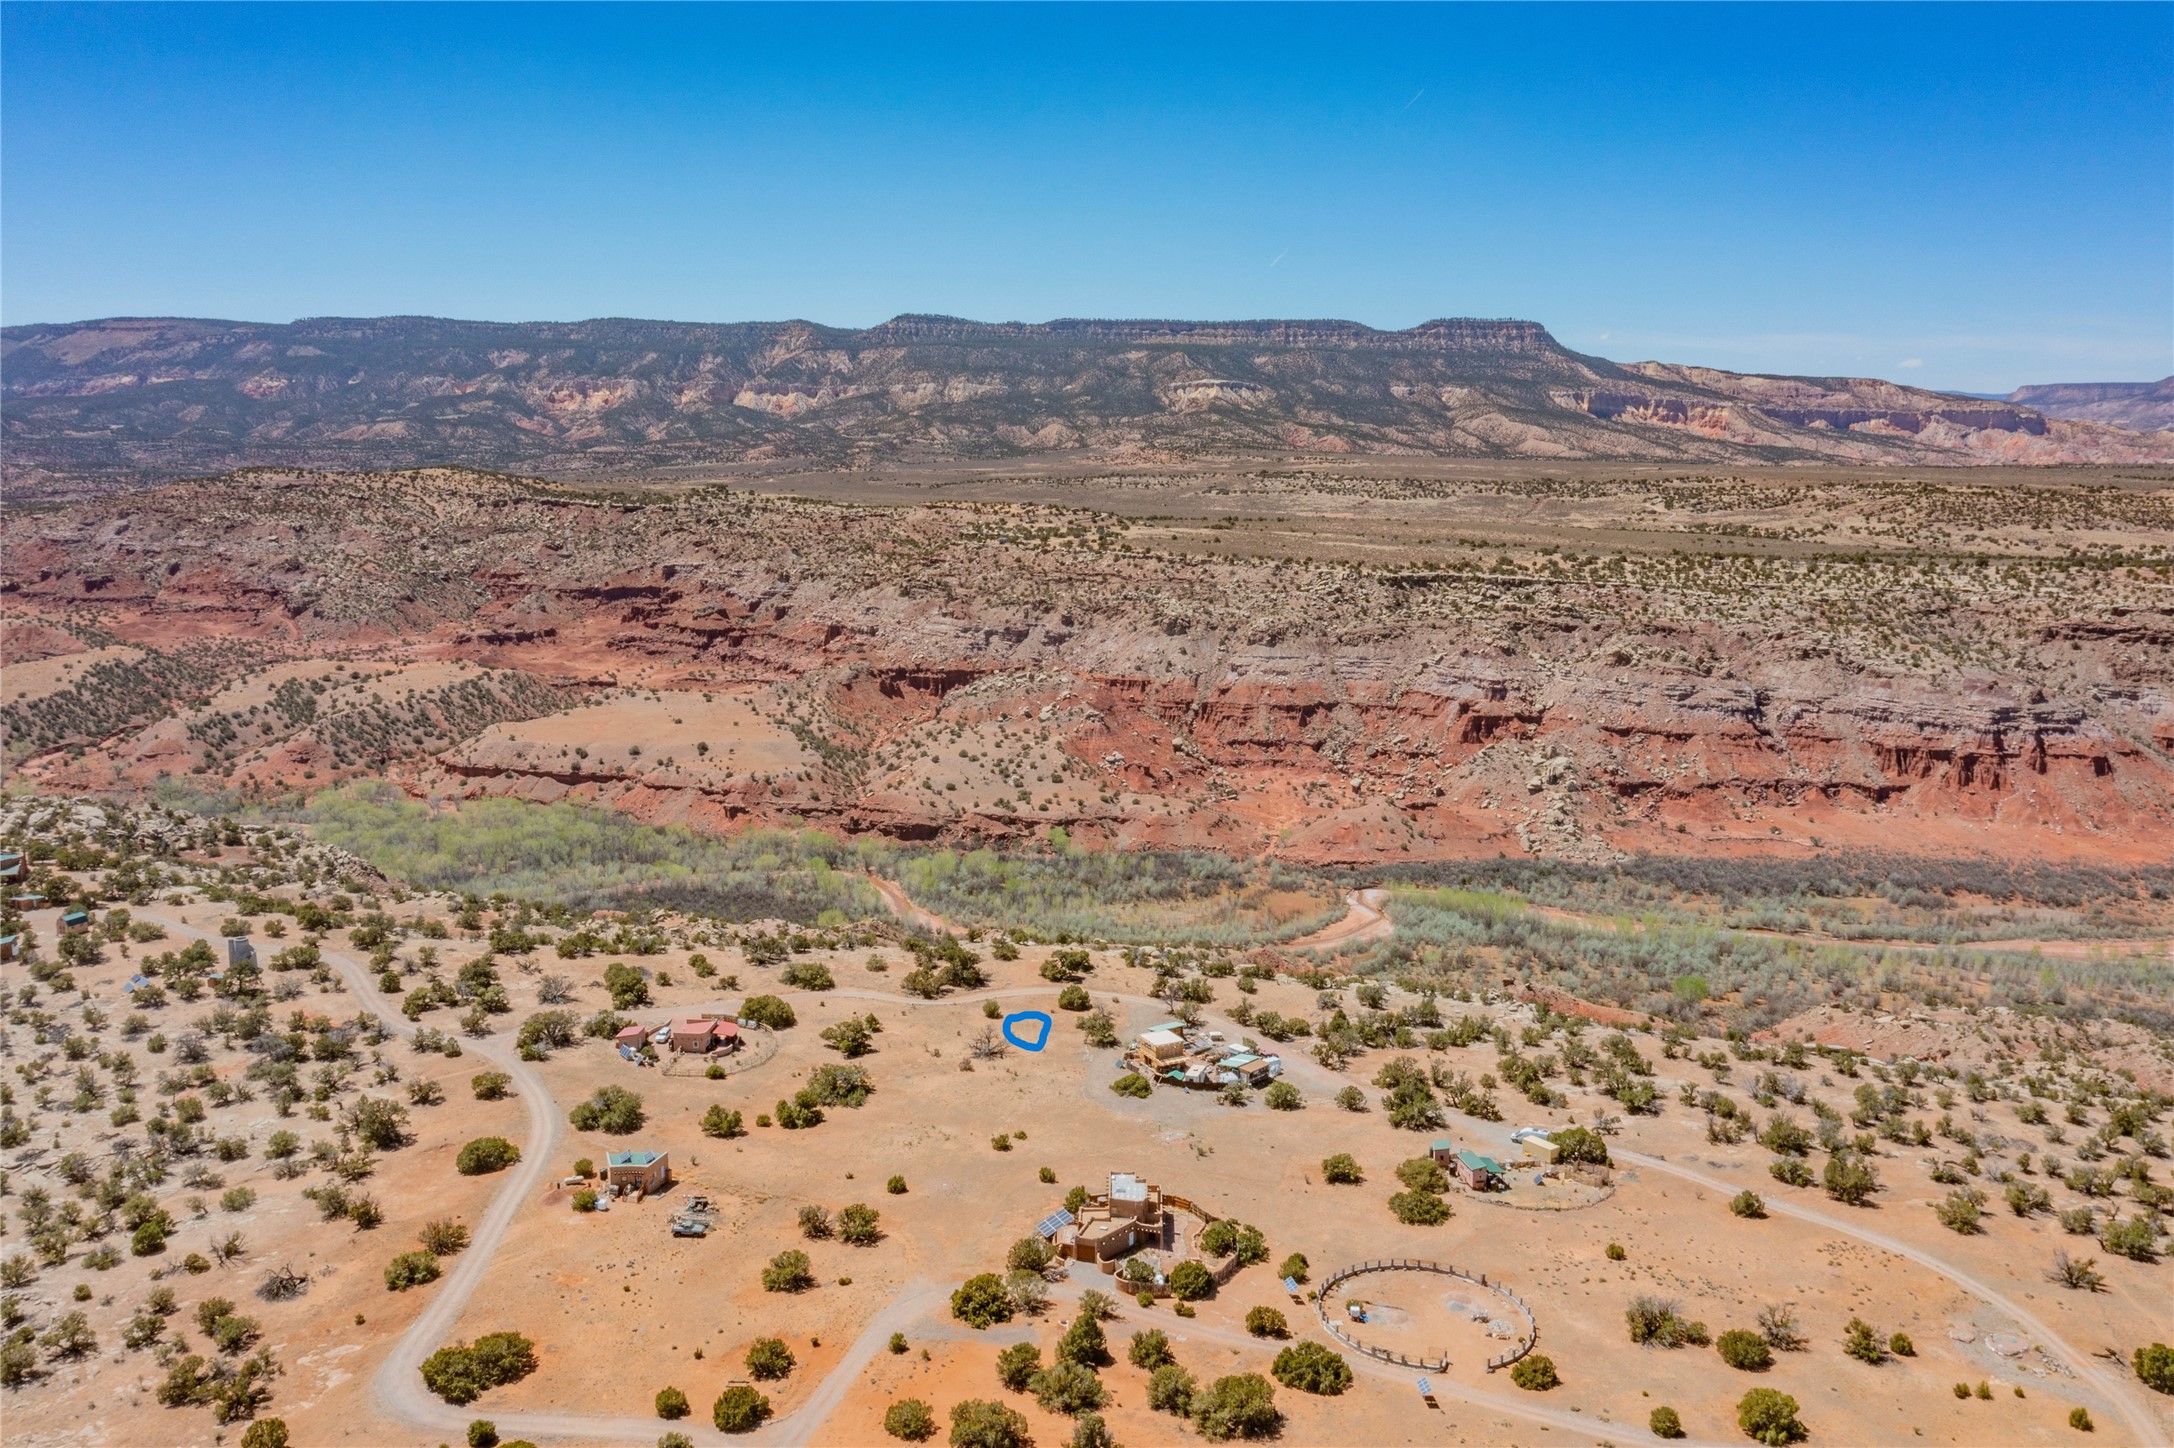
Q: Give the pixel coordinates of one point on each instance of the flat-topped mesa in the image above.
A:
(1443, 334)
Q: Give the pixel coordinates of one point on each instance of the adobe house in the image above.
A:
(702, 1034)
(1128, 1217)
(630, 1038)
(648, 1171)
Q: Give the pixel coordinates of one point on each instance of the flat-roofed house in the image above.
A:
(648, 1170)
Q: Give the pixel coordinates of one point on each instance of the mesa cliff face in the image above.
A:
(931, 673)
(130, 399)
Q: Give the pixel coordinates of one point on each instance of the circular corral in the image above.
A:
(1422, 1314)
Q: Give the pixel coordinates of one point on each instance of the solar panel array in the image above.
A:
(1056, 1220)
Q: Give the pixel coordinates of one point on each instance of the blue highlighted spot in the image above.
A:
(1031, 1016)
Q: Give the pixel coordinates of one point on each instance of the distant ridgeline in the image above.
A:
(131, 399)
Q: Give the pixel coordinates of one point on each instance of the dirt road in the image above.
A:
(1364, 920)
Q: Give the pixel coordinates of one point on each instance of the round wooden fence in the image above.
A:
(1525, 1343)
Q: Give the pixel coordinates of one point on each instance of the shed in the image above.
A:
(1441, 1151)
(75, 922)
(11, 864)
(648, 1170)
(1481, 1173)
(1162, 1045)
(631, 1037)
(703, 1034)
(11, 946)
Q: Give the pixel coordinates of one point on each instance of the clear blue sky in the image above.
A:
(1959, 196)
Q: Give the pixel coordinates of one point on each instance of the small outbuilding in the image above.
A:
(75, 922)
(647, 1171)
(239, 952)
(11, 947)
(1481, 1173)
(11, 864)
(630, 1038)
(1441, 1152)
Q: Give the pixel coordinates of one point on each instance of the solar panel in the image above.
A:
(1051, 1224)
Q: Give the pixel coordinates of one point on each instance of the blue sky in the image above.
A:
(1960, 196)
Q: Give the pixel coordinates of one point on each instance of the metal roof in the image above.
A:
(1055, 1222)
(1483, 1163)
(1125, 1187)
(632, 1158)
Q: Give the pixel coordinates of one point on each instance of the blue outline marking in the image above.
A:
(1035, 1044)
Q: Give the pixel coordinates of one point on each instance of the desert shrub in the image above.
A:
(1068, 1387)
(1341, 1169)
(485, 1155)
(461, 1374)
(1283, 1096)
(979, 1423)
(266, 1433)
(1017, 1365)
(1790, 1172)
(410, 1269)
(1578, 1144)
(1242, 1405)
(1849, 1178)
(808, 975)
(482, 1433)
(585, 1199)
(910, 1419)
(896, 1186)
(739, 1410)
(1862, 1343)
(1074, 998)
(1535, 1373)
(1770, 1417)
(1961, 1211)
(719, 1122)
(981, 1301)
(1351, 1098)
(613, 1110)
(1664, 1423)
(1901, 1346)
(1132, 1083)
(1189, 1281)
(850, 1038)
(1419, 1209)
(2080, 1420)
(2155, 1367)
(1151, 1349)
(768, 1358)
(814, 1222)
(788, 1272)
(1170, 1389)
(837, 1085)
(858, 1225)
(1029, 1254)
(2136, 1238)
(1295, 1267)
(671, 1404)
(1745, 1350)
(1267, 1322)
(1656, 1320)
(1423, 1174)
(1311, 1368)
(1083, 1342)
(768, 1010)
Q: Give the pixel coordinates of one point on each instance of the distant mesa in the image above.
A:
(91, 405)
